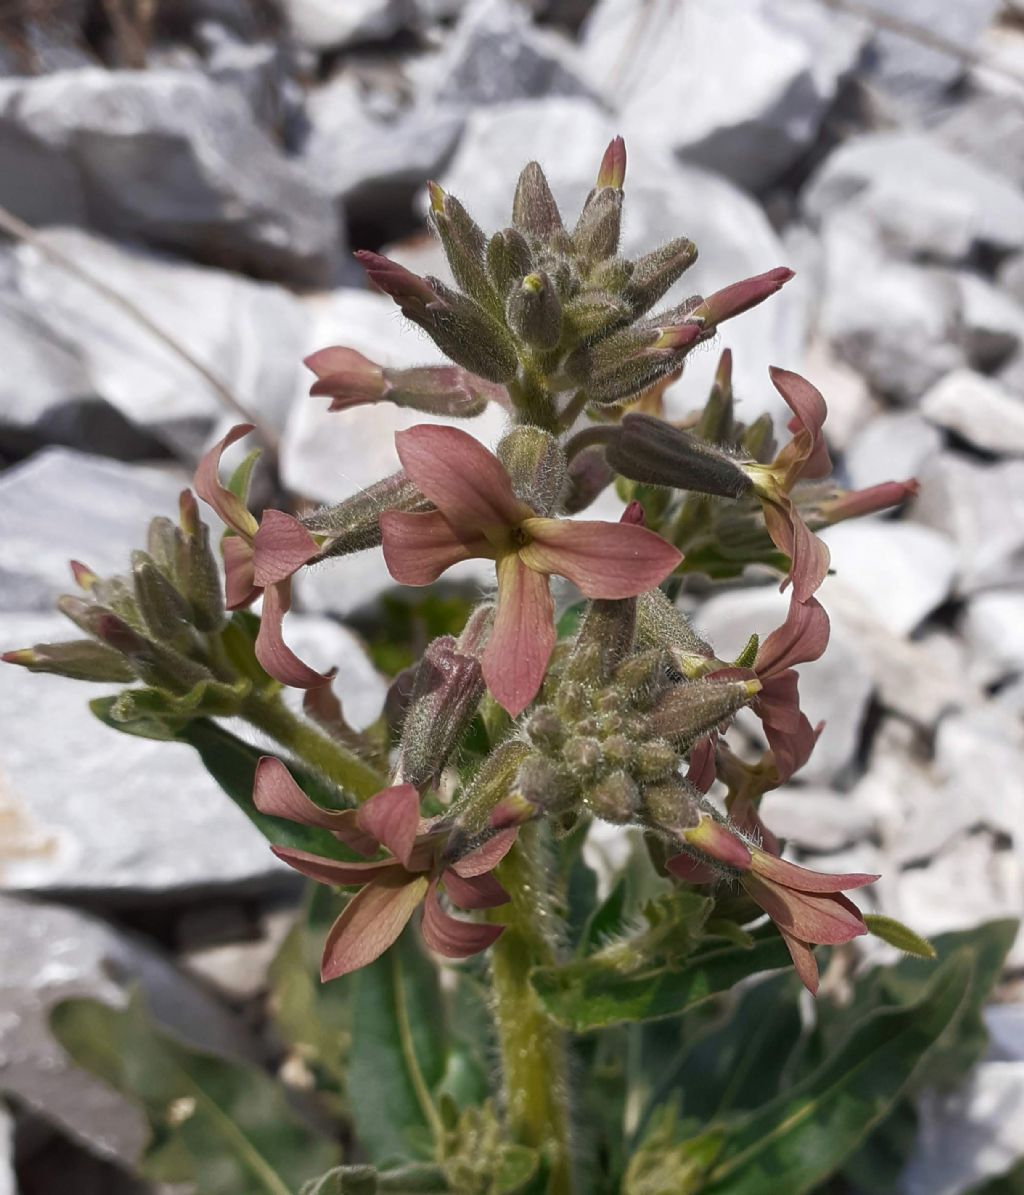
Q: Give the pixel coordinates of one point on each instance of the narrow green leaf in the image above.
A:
(804, 1135)
(899, 935)
(241, 478)
(227, 1123)
(585, 995)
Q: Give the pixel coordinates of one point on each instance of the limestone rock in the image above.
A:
(978, 409)
(893, 446)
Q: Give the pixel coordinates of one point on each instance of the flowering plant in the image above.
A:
(570, 1050)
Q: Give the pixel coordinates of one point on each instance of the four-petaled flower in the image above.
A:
(808, 907)
(479, 515)
(259, 558)
(390, 890)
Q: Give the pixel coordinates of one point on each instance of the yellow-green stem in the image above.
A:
(534, 1060)
(313, 747)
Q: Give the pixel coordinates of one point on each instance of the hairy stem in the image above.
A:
(534, 1059)
(313, 747)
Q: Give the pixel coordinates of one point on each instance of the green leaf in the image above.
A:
(804, 1135)
(142, 727)
(607, 921)
(223, 1125)
(899, 935)
(241, 478)
(585, 995)
(398, 1054)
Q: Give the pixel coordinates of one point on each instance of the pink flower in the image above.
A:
(804, 458)
(391, 889)
(851, 504)
(479, 516)
(808, 907)
(259, 558)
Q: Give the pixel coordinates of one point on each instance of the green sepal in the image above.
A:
(895, 933)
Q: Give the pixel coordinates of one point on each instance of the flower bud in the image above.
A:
(596, 235)
(164, 611)
(613, 275)
(545, 729)
(640, 677)
(166, 547)
(758, 440)
(671, 807)
(534, 210)
(631, 361)
(716, 420)
(583, 757)
(612, 171)
(534, 311)
(354, 524)
(80, 659)
(487, 791)
(594, 313)
(693, 708)
(471, 336)
(464, 244)
(740, 296)
(614, 799)
(851, 504)
(654, 452)
(509, 259)
(589, 475)
(604, 639)
(203, 585)
(445, 694)
(536, 465)
(84, 577)
(655, 760)
(655, 272)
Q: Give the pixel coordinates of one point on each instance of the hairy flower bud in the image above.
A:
(655, 272)
(594, 313)
(596, 235)
(545, 728)
(691, 709)
(716, 420)
(534, 311)
(165, 544)
(589, 474)
(614, 799)
(740, 296)
(655, 760)
(80, 659)
(509, 259)
(604, 639)
(464, 244)
(446, 691)
(536, 464)
(758, 439)
(583, 757)
(354, 524)
(164, 611)
(632, 360)
(672, 807)
(654, 452)
(534, 209)
(202, 577)
(612, 171)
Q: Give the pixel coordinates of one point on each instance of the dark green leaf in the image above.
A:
(804, 1135)
(221, 1124)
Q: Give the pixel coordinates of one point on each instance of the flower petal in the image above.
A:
(371, 922)
(276, 793)
(792, 749)
(280, 546)
(392, 816)
(719, 842)
(476, 892)
(690, 870)
(333, 871)
(485, 858)
(276, 657)
(809, 556)
(522, 637)
(451, 937)
(701, 772)
(801, 638)
(811, 917)
(804, 961)
(460, 476)
(803, 879)
(851, 504)
(239, 584)
(231, 509)
(418, 547)
(806, 455)
(603, 560)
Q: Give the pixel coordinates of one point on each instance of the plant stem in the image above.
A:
(534, 1060)
(313, 747)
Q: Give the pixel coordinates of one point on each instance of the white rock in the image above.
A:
(993, 625)
(323, 644)
(1011, 277)
(891, 447)
(978, 409)
(755, 84)
(852, 409)
(835, 688)
(248, 334)
(969, 1135)
(496, 53)
(895, 322)
(8, 1179)
(922, 197)
(166, 157)
(993, 322)
(663, 200)
(982, 507)
(61, 505)
(818, 819)
(50, 954)
(900, 571)
(328, 24)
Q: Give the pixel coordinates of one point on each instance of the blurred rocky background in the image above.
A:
(181, 182)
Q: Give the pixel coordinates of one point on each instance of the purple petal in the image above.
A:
(231, 509)
(371, 922)
(450, 937)
(419, 546)
(476, 892)
(280, 546)
(522, 636)
(393, 818)
(275, 656)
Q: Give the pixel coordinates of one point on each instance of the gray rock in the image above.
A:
(236, 964)
(982, 507)
(8, 1179)
(891, 447)
(757, 81)
(373, 150)
(166, 157)
(923, 198)
(993, 626)
(60, 505)
(328, 25)
(51, 953)
(37, 41)
(989, 129)
(818, 819)
(663, 200)
(979, 409)
(993, 322)
(260, 72)
(896, 323)
(835, 688)
(1011, 277)
(326, 644)
(900, 571)
(917, 74)
(496, 54)
(249, 334)
(852, 408)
